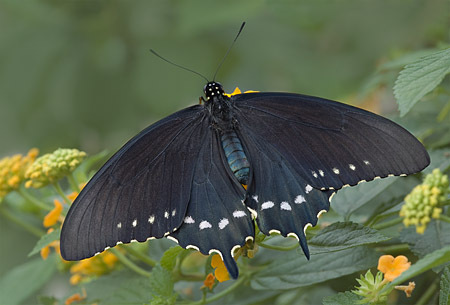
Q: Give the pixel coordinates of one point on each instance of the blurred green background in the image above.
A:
(79, 73)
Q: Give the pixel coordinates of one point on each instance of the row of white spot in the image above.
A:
(151, 219)
(284, 205)
(336, 170)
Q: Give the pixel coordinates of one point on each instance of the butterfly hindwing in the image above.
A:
(328, 143)
(141, 192)
(216, 219)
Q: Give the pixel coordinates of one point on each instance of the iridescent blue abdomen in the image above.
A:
(237, 160)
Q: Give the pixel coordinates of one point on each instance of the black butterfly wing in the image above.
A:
(141, 192)
(217, 219)
(327, 143)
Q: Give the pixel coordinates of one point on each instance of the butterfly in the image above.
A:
(182, 177)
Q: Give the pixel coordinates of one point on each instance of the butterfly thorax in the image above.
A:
(219, 107)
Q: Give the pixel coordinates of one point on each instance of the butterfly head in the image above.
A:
(213, 89)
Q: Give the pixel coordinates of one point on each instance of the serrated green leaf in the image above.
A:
(292, 269)
(419, 78)
(161, 282)
(169, 258)
(342, 298)
(46, 300)
(434, 259)
(45, 241)
(22, 281)
(444, 294)
(343, 235)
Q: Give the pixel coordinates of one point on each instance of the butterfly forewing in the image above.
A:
(328, 143)
(141, 192)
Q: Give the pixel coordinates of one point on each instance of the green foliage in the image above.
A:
(161, 283)
(421, 77)
(342, 298)
(45, 241)
(444, 296)
(169, 258)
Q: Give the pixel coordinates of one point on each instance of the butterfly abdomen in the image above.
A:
(237, 160)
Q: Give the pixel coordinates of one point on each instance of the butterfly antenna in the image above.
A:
(229, 49)
(176, 65)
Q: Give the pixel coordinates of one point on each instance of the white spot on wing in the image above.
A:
(151, 219)
(274, 231)
(306, 227)
(223, 223)
(267, 205)
(314, 174)
(119, 225)
(292, 234)
(336, 171)
(321, 172)
(352, 167)
(134, 223)
(366, 162)
(285, 206)
(204, 225)
(192, 247)
(173, 239)
(308, 188)
(255, 197)
(320, 213)
(189, 219)
(166, 214)
(300, 199)
(238, 213)
(174, 211)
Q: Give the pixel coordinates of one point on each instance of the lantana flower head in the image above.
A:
(52, 167)
(93, 266)
(426, 201)
(12, 171)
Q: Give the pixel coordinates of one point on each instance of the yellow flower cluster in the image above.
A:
(12, 171)
(425, 201)
(94, 266)
(50, 168)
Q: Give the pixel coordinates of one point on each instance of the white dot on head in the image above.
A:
(300, 199)
(174, 211)
(352, 167)
(212, 93)
(223, 223)
(238, 214)
(321, 172)
(119, 225)
(189, 219)
(204, 225)
(315, 174)
(336, 171)
(151, 219)
(166, 214)
(366, 162)
(308, 188)
(134, 224)
(267, 205)
(285, 206)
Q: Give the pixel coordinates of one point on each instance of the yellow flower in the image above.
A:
(93, 266)
(220, 271)
(46, 250)
(76, 297)
(426, 201)
(50, 168)
(209, 281)
(238, 91)
(393, 267)
(12, 171)
(54, 215)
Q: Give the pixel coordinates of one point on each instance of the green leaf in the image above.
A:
(46, 300)
(437, 258)
(169, 258)
(24, 280)
(45, 241)
(343, 235)
(123, 287)
(444, 295)
(162, 285)
(435, 237)
(342, 298)
(293, 270)
(419, 78)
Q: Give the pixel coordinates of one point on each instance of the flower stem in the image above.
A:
(144, 258)
(221, 294)
(400, 248)
(387, 224)
(444, 218)
(128, 263)
(30, 228)
(60, 191)
(27, 196)
(73, 182)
